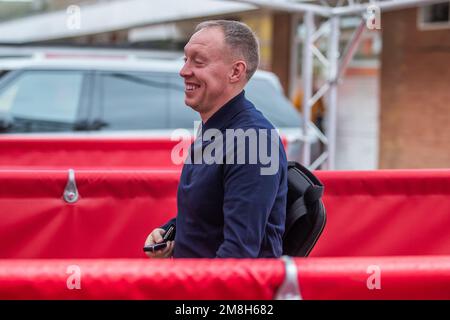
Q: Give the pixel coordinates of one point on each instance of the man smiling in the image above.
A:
(226, 209)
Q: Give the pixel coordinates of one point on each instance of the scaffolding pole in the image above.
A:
(307, 77)
(334, 67)
(351, 48)
(333, 60)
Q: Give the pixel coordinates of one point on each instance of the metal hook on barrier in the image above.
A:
(71, 192)
(289, 289)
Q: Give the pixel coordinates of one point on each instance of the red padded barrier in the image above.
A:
(385, 212)
(378, 213)
(84, 152)
(115, 212)
(319, 278)
(17, 152)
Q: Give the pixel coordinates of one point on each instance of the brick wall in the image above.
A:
(415, 94)
(281, 53)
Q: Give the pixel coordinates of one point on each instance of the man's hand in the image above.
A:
(156, 237)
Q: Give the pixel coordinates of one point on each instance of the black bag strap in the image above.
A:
(296, 211)
(315, 189)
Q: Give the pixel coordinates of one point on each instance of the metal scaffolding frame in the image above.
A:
(331, 11)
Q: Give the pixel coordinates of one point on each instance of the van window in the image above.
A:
(273, 104)
(43, 95)
(134, 100)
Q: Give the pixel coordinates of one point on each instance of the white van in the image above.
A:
(113, 93)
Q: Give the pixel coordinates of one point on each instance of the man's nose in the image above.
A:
(185, 70)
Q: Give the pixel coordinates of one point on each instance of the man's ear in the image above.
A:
(238, 72)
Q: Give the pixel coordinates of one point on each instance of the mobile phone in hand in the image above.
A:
(155, 247)
(169, 235)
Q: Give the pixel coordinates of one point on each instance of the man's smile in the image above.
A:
(190, 86)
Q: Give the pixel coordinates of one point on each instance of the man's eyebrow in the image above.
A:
(200, 55)
(195, 54)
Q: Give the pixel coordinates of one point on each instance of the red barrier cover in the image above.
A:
(18, 152)
(112, 218)
(377, 213)
(385, 212)
(84, 152)
(318, 278)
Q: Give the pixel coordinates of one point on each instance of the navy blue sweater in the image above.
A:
(231, 209)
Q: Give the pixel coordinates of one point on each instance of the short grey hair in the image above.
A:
(239, 38)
